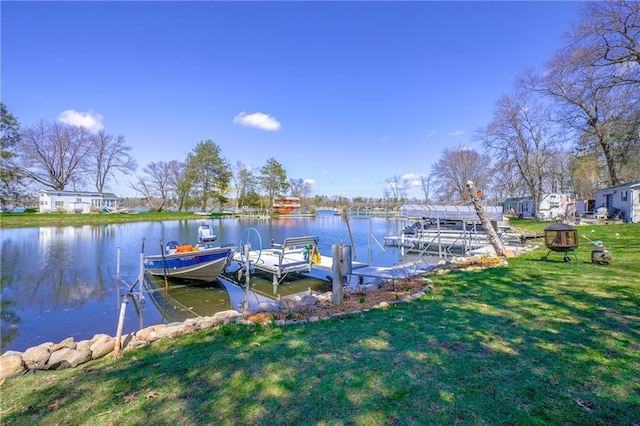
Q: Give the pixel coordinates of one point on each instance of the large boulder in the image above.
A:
(36, 357)
(11, 365)
(76, 357)
(57, 357)
(102, 346)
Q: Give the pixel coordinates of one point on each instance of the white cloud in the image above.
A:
(258, 120)
(310, 181)
(412, 176)
(457, 133)
(89, 120)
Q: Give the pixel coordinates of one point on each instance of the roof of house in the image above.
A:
(87, 193)
(622, 185)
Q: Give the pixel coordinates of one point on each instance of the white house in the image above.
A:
(552, 206)
(52, 201)
(621, 200)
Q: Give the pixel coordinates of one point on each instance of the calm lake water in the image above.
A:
(60, 282)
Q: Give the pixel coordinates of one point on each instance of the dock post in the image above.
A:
(123, 307)
(141, 276)
(274, 283)
(337, 271)
(247, 275)
(440, 241)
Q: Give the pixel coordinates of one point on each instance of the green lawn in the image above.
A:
(530, 343)
(16, 220)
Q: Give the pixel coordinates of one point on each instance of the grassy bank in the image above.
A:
(22, 220)
(531, 343)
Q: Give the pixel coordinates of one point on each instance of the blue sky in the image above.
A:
(343, 94)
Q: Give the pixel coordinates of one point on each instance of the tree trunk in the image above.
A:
(494, 239)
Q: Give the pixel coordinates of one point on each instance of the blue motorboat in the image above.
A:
(201, 262)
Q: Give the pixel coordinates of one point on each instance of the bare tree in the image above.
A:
(425, 183)
(589, 105)
(177, 182)
(522, 135)
(559, 180)
(108, 155)
(506, 182)
(608, 36)
(156, 184)
(455, 168)
(160, 181)
(595, 81)
(397, 188)
(299, 188)
(245, 183)
(54, 154)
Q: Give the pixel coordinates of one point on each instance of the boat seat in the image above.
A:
(205, 236)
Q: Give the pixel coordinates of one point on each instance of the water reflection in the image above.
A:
(178, 301)
(61, 281)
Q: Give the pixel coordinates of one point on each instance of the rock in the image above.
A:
(101, 347)
(36, 358)
(134, 344)
(308, 300)
(206, 322)
(175, 331)
(66, 343)
(11, 365)
(83, 345)
(150, 334)
(268, 307)
(224, 316)
(76, 357)
(59, 355)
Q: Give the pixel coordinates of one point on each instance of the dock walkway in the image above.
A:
(267, 260)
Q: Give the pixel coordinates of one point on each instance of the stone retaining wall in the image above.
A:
(69, 353)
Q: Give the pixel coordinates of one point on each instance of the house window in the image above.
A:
(59, 203)
(624, 195)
